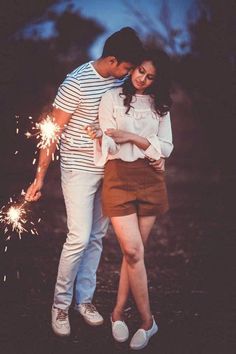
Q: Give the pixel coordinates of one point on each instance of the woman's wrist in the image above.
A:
(132, 138)
(139, 141)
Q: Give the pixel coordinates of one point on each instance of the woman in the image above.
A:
(135, 127)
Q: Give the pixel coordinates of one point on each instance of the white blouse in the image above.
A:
(141, 119)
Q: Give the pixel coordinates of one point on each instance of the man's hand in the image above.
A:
(34, 191)
(158, 165)
(119, 136)
(93, 131)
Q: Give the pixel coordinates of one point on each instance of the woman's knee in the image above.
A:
(133, 254)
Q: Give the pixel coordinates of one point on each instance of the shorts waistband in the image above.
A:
(128, 164)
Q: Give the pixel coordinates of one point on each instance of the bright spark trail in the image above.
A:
(14, 217)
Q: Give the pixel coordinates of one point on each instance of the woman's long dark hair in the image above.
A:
(160, 88)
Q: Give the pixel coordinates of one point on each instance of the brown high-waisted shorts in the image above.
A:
(133, 187)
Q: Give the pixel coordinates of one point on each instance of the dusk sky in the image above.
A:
(116, 14)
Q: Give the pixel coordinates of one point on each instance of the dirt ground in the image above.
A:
(190, 262)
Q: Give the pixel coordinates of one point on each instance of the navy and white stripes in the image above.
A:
(80, 95)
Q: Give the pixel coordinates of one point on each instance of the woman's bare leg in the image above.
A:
(122, 294)
(145, 225)
(127, 229)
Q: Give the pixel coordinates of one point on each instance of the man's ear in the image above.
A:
(112, 60)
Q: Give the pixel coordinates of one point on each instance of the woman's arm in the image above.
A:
(121, 137)
(103, 144)
(107, 121)
(155, 147)
(161, 144)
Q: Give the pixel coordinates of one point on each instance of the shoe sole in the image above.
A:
(144, 345)
(60, 335)
(94, 324)
(120, 340)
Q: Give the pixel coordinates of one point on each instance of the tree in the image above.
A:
(208, 74)
(33, 67)
(167, 39)
(15, 14)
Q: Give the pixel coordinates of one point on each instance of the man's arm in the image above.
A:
(45, 156)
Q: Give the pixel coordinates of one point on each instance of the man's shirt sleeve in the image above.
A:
(68, 95)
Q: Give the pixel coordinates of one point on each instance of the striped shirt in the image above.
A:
(80, 95)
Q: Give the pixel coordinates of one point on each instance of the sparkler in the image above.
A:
(49, 132)
(14, 217)
(46, 132)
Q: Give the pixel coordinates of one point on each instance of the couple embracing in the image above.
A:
(114, 115)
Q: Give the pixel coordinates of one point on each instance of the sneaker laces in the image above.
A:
(61, 315)
(90, 308)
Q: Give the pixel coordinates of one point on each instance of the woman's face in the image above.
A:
(143, 76)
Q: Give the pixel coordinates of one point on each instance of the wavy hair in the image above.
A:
(160, 88)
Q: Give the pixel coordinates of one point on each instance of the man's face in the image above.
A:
(121, 69)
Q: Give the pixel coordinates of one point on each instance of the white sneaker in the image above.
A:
(60, 322)
(120, 331)
(141, 338)
(90, 314)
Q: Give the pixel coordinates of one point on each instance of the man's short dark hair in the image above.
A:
(125, 46)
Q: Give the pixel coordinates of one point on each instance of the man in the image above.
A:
(76, 106)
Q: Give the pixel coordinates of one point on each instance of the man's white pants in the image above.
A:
(82, 250)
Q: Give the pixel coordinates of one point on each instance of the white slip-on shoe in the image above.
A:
(90, 314)
(60, 322)
(141, 338)
(120, 331)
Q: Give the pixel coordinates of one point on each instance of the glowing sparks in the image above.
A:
(15, 217)
(49, 132)
(28, 135)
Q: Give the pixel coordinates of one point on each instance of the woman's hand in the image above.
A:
(119, 136)
(93, 131)
(158, 165)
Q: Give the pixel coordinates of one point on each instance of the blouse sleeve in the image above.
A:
(106, 120)
(161, 144)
